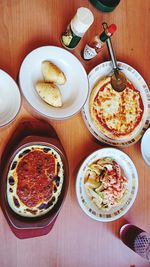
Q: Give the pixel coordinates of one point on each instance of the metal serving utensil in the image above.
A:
(118, 78)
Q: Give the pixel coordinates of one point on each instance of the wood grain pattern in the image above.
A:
(75, 240)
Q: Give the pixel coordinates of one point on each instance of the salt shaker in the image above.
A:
(136, 239)
(79, 24)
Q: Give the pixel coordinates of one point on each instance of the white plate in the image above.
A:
(130, 173)
(105, 69)
(74, 91)
(10, 99)
(145, 146)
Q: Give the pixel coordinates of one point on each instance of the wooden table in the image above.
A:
(75, 240)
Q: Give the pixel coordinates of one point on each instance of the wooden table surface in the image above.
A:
(76, 239)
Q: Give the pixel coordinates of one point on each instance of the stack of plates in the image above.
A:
(105, 69)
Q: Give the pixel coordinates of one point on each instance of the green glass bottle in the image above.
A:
(105, 5)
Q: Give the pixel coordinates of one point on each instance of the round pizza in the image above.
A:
(117, 115)
(34, 181)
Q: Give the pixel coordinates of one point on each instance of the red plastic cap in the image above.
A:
(112, 28)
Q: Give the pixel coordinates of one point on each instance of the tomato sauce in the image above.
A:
(36, 172)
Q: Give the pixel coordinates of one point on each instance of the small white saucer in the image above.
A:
(145, 146)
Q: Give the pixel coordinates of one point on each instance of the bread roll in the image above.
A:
(50, 93)
(52, 73)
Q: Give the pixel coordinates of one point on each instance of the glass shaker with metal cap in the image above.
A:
(136, 239)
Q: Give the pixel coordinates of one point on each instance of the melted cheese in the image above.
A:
(118, 111)
(23, 210)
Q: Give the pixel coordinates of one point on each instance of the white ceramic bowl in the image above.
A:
(74, 92)
(96, 74)
(130, 173)
(10, 99)
(145, 147)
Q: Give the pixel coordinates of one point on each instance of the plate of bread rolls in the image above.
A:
(54, 82)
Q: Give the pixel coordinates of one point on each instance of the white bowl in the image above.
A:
(74, 92)
(134, 76)
(10, 99)
(130, 173)
(145, 149)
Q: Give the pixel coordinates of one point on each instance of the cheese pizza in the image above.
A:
(116, 114)
(34, 181)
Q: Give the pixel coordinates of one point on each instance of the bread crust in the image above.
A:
(50, 93)
(52, 73)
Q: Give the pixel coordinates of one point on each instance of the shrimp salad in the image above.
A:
(105, 184)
